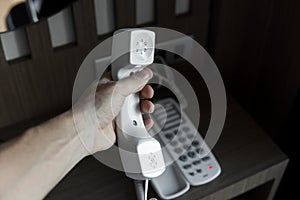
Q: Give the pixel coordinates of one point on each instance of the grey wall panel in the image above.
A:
(144, 11)
(182, 6)
(61, 27)
(105, 20)
(15, 44)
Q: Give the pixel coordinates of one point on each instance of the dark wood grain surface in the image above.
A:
(243, 150)
(256, 47)
(40, 84)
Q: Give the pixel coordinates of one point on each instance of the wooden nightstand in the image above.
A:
(252, 167)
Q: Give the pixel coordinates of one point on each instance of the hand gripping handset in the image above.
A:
(141, 154)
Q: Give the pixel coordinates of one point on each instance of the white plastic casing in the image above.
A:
(142, 44)
(140, 153)
(151, 159)
(132, 49)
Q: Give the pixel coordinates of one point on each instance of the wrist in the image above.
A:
(72, 134)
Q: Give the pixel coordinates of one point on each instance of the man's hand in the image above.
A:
(95, 112)
(32, 164)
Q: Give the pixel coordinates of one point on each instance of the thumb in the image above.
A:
(135, 82)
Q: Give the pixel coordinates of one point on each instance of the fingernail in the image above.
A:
(144, 74)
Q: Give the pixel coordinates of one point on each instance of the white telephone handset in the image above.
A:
(141, 154)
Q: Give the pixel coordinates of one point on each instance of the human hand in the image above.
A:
(94, 114)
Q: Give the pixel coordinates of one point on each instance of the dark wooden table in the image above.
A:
(252, 167)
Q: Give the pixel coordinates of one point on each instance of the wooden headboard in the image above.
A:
(39, 84)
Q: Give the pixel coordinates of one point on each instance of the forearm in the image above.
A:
(39, 159)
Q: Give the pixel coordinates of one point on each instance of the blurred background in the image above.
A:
(255, 44)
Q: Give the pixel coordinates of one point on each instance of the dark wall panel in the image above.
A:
(256, 47)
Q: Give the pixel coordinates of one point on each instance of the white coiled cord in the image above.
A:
(142, 190)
